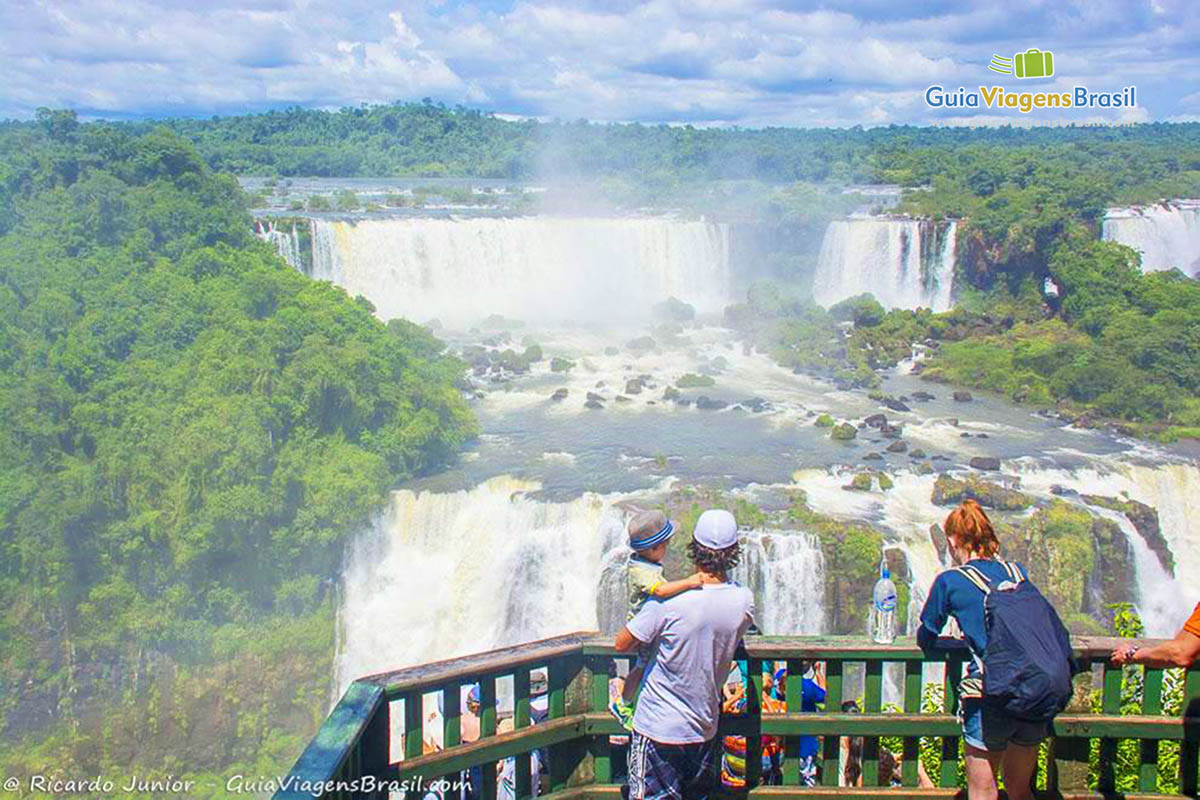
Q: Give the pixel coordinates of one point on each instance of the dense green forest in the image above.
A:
(190, 430)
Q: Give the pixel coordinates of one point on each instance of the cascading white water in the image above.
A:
(527, 268)
(287, 243)
(904, 263)
(786, 571)
(1167, 234)
(451, 573)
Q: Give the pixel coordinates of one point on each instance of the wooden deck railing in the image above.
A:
(354, 755)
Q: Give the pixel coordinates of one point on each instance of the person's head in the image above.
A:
(969, 533)
(714, 545)
(649, 533)
(473, 704)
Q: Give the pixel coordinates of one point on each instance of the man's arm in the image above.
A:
(626, 641)
(1182, 651)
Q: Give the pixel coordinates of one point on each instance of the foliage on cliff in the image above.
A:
(190, 428)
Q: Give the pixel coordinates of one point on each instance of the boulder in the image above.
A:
(844, 432)
(559, 394)
(824, 421)
(922, 397)
(622, 399)
(859, 483)
(756, 404)
(948, 491)
(917, 453)
(633, 386)
(990, 463)
(891, 431)
(591, 403)
(962, 397)
(876, 421)
(708, 404)
(671, 393)
(894, 404)
(923, 468)
(873, 457)
(898, 447)
(595, 398)
(885, 481)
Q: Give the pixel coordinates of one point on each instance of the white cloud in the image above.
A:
(747, 62)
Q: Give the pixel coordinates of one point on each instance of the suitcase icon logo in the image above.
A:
(1033, 63)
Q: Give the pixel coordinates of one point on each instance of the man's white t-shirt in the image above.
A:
(696, 633)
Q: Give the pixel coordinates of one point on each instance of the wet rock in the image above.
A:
(922, 397)
(923, 468)
(982, 436)
(671, 393)
(894, 404)
(633, 386)
(641, 343)
(962, 397)
(885, 481)
(705, 403)
(1145, 520)
(859, 483)
(891, 431)
(948, 491)
(873, 457)
(876, 421)
(595, 398)
(985, 462)
(917, 453)
(756, 404)
(937, 538)
(844, 432)
(622, 399)
(964, 435)
(1062, 491)
(898, 447)
(592, 403)
(938, 457)
(824, 421)
(559, 394)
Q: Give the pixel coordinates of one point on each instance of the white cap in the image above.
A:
(716, 529)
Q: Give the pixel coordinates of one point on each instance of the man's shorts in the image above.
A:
(989, 729)
(671, 771)
(808, 770)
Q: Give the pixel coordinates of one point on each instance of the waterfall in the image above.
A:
(1167, 235)
(905, 263)
(444, 574)
(287, 243)
(786, 571)
(1173, 490)
(528, 268)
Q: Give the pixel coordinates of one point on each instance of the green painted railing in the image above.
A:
(373, 742)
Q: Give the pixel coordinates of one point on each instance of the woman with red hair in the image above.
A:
(995, 742)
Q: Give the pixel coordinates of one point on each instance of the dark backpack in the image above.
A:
(1028, 666)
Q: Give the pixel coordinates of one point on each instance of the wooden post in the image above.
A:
(830, 774)
(1068, 758)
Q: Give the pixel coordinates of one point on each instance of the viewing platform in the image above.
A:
(376, 732)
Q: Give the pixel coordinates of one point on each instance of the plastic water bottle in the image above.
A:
(883, 609)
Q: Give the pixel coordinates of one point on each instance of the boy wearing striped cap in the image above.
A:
(649, 533)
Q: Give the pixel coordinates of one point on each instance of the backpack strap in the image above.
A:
(1012, 571)
(976, 577)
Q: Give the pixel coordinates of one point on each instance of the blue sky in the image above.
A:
(705, 62)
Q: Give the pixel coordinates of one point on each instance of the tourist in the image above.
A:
(812, 693)
(649, 533)
(672, 749)
(995, 740)
(1182, 651)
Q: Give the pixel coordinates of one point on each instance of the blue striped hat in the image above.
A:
(648, 528)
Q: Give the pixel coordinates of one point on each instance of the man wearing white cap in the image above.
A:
(672, 753)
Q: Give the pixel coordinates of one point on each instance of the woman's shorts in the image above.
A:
(988, 729)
